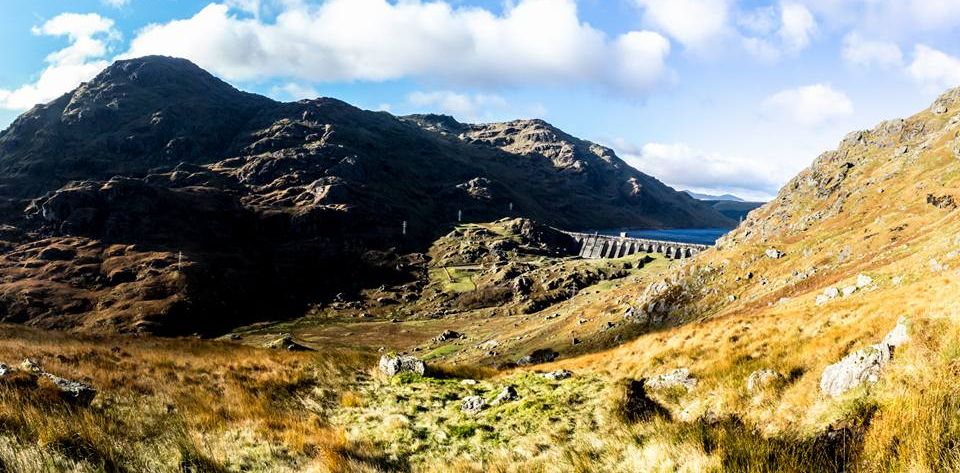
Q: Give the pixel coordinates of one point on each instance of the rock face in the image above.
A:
(394, 365)
(157, 198)
(862, 366)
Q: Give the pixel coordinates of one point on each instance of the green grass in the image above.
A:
(441, 352)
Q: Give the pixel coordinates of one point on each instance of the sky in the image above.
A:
(713, 96)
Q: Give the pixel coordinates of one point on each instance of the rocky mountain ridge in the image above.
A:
(156, 161)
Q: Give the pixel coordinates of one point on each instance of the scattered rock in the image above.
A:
(575, 341)
(678, 377)
(862, 366)
(394, 365)
(4, 370)
(849, 290)
(828, 294)
(469, 382)
(543, 355)
(863, 281)
(762, 379)
(508, 394)
(448, 335)
(935, 265)
(472, 404)
(941, 201)
(774, 253)
(557, 375)
(897, 280)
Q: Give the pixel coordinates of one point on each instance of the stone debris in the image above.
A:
(863, 281)
(679, 377)
(863, 366)
(394, 365)
(829, 294)
(849, 290)
(472, 404)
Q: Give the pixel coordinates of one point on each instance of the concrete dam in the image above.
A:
(596, 246)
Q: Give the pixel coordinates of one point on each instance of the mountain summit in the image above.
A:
(155, 161)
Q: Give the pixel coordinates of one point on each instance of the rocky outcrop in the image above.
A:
(33, 376)
(508, 394)
(863, 366)
(286, 342)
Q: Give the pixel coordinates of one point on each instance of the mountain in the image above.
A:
(726, 197)
(729, 205)
(159, 198)
(841, 293)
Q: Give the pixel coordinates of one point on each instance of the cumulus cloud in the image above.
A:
(81, 60)
(798, 25)
(294, 91)
(694, 23)
(116, 3)
(466, 107)
(531, 42)
(808, 106)
(859, 51)
(934, 69)
(682, 166)
(768, 32)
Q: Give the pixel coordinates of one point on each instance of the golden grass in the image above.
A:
(169, 405)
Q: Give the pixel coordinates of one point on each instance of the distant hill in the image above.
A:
(157, 197)
(727, 197)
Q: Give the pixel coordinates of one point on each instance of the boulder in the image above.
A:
(286, 342)
(863, 281)
(679, 377)
(508, 394)
(557, 375)
(862, 366)
(4, 370)
(73, 391)
(31, 366)
(394, 365)
(448, 335)
(472, 404)
(543, 355)
(849, 290)
(762, 379)
(774, 253)
(942, 201)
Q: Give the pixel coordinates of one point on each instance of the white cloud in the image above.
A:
(531, 42)
(67, 68)
(798, 25)
(294, 91)
(465, 107)
(808, 106)
(934, 69)
(682, 166)
(862, 52)
(116, 3)
(695, 23)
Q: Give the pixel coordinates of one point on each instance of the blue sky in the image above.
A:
(710, 95)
